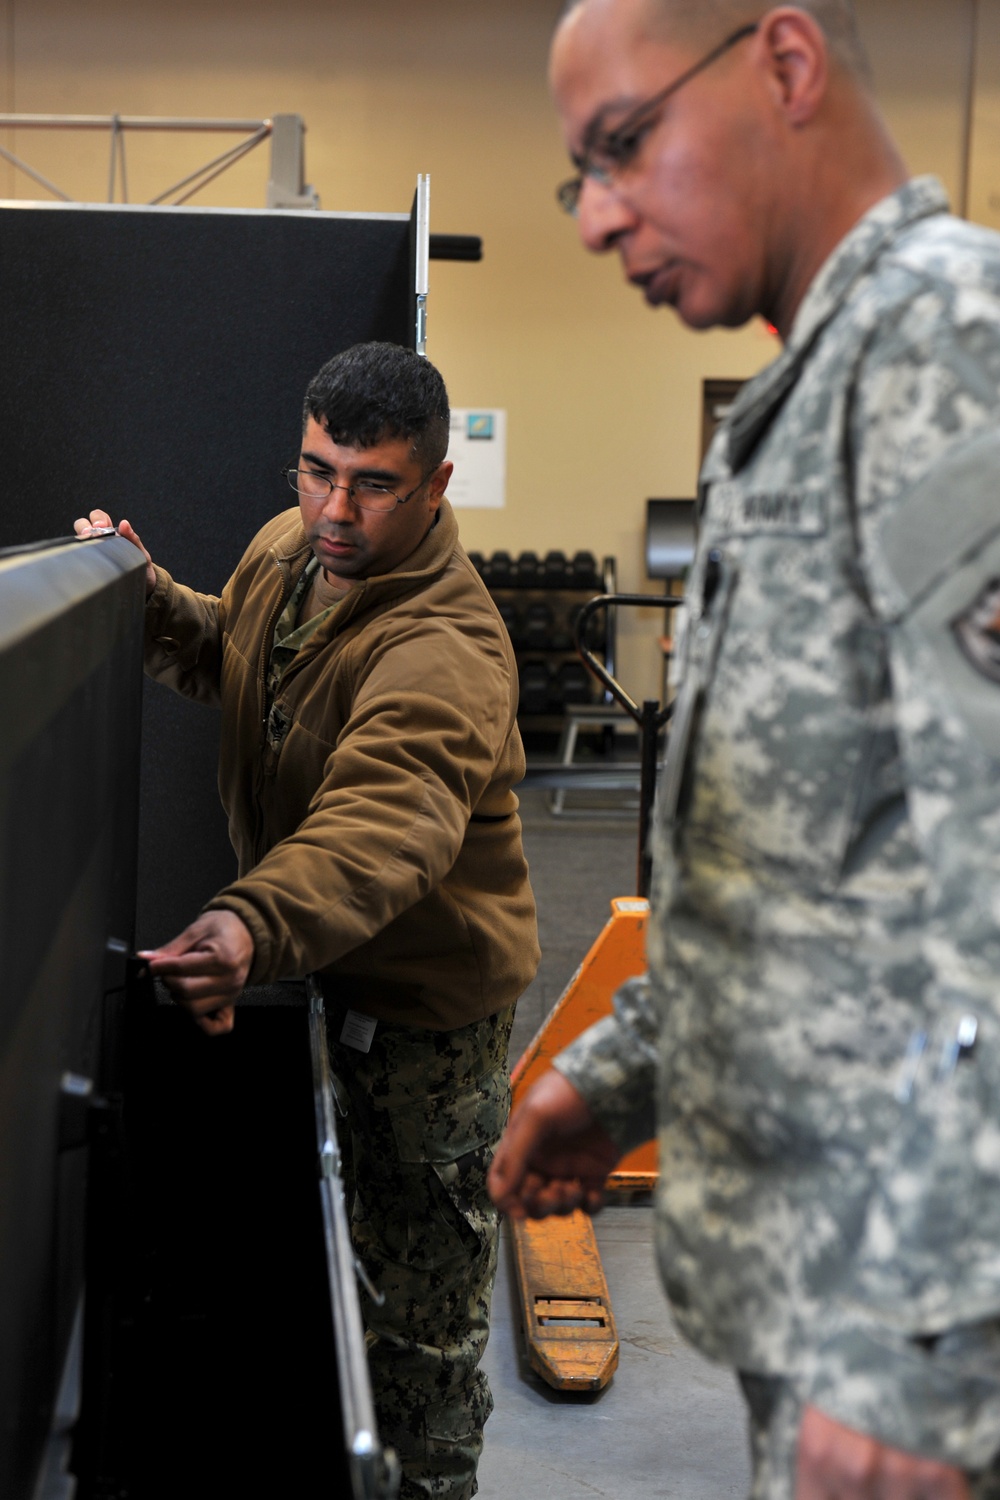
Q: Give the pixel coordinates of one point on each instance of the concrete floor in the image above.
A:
(670, 1424)
(577, 865)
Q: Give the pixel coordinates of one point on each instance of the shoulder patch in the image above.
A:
(977, 630)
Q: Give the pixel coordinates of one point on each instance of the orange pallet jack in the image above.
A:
(569, 1325)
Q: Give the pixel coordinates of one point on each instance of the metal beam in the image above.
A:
(126, 122)
(285, 130)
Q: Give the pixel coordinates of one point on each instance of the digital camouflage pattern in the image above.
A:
(826, 898)
(289, 638)
(425, 1110)
(774, 1411)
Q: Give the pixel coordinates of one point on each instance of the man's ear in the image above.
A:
(793, 48)
(439, 482)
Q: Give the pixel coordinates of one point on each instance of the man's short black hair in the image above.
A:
(373, 393)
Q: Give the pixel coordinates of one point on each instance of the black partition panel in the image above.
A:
(153, 362)
(70, 669)
(223, 1300)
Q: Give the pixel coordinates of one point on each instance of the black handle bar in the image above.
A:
(650, 717)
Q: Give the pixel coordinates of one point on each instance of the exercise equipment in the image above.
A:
(536, 680)
(584, 571)
(574, 684)
(502, 572)
(538, 621)
(555, 570)
(529, 570)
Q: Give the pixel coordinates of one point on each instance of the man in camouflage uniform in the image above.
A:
(820, 1025)
(368, 754)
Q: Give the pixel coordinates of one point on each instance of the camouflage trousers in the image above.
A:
(425, 1110)
(775, 1411)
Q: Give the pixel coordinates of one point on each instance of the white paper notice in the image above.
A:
(478, 449)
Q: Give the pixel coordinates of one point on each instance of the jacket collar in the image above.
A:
(426, 562)
(857, 252)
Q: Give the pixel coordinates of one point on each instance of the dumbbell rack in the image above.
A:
(539, 600)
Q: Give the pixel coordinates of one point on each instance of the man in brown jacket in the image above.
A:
(369, 748)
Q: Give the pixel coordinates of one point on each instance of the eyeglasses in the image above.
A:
(365, 493)
(607, 156)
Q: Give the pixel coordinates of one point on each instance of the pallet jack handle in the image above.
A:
(650, 717)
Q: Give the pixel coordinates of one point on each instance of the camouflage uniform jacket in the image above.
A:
(827, 888)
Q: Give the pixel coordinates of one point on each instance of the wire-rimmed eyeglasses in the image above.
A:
(367, 493)
(605, 157)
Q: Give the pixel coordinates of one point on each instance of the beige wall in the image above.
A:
(603, 395)
(919, 51)
(984, 195)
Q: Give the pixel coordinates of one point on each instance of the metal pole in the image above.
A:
(650, 717)
(121, 160)
(422, 267)
(287, 186)
(44, 182)
(127, 122)
(117, 154)
(649, 729)
(205, 174)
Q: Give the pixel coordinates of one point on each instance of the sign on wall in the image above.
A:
(478, 449)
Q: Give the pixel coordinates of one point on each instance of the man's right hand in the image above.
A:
(100, 518)
(554, 1156)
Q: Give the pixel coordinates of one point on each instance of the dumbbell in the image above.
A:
(584, 573)
(538, 626)
(535, 678)
(501, 570)
(574, 682)
(555, 570)
(529, 570)
(562, 626)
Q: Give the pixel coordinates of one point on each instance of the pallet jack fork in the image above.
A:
(569, 1325)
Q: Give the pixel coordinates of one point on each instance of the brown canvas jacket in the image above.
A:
(380, 842)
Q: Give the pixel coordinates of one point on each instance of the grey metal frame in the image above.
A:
(374, 1470)
(422, 215)
(286, 188)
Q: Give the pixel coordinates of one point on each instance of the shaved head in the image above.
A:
(702, 23)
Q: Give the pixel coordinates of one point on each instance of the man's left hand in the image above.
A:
(205, 967)
(837, 1463)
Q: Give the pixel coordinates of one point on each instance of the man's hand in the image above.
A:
(100, 518)
(553, 1157)
(837, 1463)
(206, 967)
